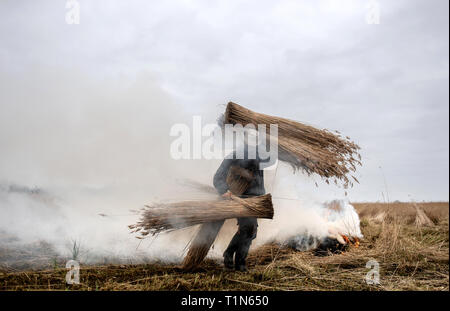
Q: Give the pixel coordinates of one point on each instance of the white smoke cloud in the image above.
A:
(74, 148)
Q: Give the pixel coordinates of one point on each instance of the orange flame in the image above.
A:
(351, 241)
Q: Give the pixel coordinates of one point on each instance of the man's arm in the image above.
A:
(220, 178)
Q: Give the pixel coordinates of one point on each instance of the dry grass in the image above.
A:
(404, 211)
(411, 257)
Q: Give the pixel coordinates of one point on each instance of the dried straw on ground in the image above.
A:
(305, 147)
(172, 216)
(422, 218)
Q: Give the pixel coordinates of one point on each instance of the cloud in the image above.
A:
(384, 85)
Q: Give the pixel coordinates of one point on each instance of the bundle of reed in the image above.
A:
(313, 150)
(199, 247)
(173, 216)
(238, 180)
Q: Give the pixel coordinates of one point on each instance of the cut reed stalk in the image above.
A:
(199, 247)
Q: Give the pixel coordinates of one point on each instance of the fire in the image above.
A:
(351, 240)
(346, 239)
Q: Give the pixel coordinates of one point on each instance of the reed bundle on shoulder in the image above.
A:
(305, 147)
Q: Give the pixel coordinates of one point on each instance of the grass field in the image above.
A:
(409, 241)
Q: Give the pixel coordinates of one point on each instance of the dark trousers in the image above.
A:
(241, 241)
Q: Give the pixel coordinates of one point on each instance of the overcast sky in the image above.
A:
(384, 85)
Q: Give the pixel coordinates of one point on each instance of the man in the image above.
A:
(248, 226)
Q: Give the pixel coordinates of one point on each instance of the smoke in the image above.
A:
(78, 154)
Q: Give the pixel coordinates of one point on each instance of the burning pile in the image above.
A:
(342, 230)
(323, 246)
(335, 246)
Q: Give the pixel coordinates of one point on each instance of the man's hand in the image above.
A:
(227, 195)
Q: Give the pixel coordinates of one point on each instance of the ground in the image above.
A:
(410, 241)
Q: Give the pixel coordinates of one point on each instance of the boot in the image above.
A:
(228, 260)
(241, 268)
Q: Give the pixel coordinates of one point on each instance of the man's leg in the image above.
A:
(229, 252)
(247, 233)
